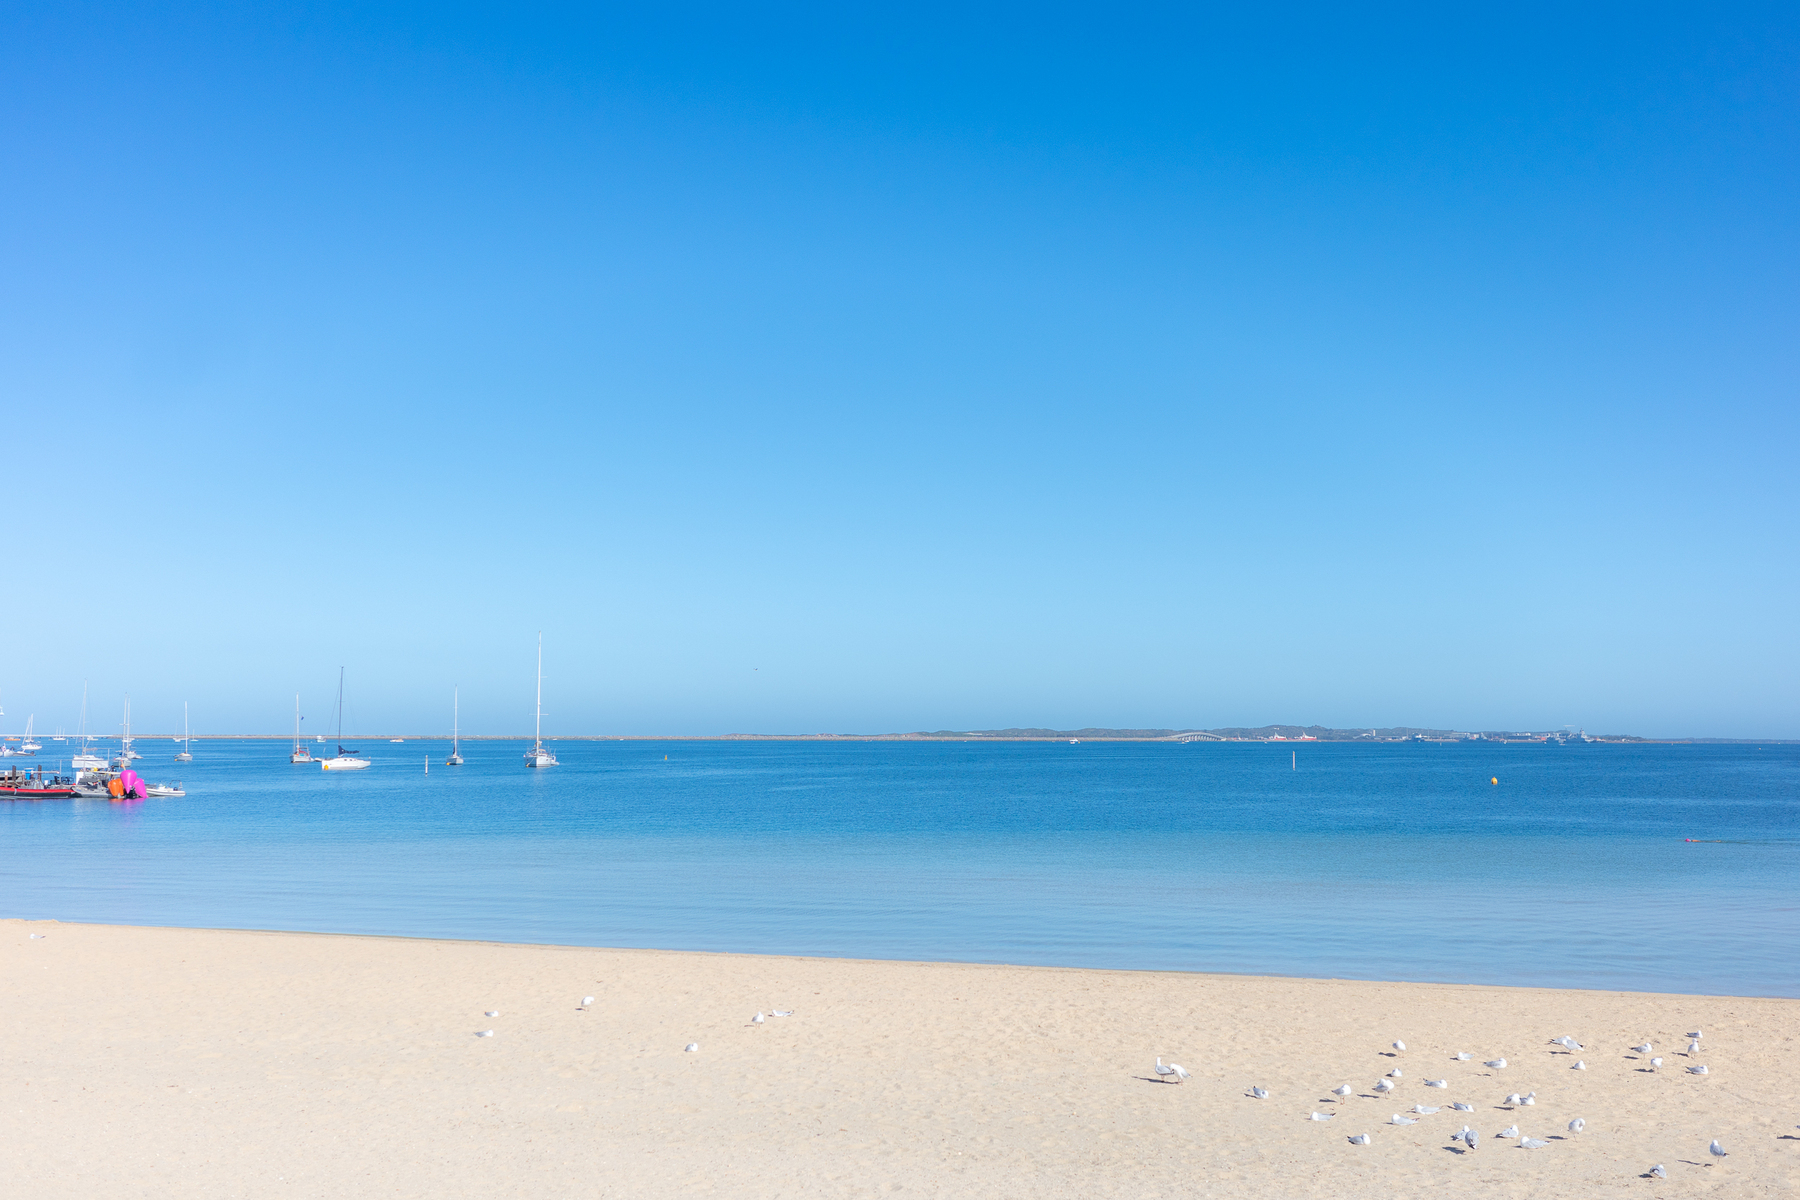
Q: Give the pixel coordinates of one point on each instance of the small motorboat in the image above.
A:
(165, 789)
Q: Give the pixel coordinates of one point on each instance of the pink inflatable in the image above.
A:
(135, 788)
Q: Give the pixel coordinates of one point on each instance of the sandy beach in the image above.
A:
(174, 1062)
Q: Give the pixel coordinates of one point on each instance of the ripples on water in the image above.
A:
(1373, 862)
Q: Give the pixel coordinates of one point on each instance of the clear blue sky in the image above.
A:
(838, 369)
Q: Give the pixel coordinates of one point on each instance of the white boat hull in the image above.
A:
(344, 764)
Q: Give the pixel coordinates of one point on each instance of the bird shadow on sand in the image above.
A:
(1455, 1149)
(1147, 1079)
(1787, 1137)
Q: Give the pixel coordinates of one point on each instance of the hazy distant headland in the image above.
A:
(1262, 733)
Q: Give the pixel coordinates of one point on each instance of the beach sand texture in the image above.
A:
(172, 1062)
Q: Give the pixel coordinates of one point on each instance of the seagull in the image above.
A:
(1699, 1070)
(1580, 1065)
(1400, 1120)
(780, 1012)
(1694, 1047)
(1470, 1137)
(1342, 1091)
(485, 1033)
(1437, 1083)
(1459, 1106)
(1260, 1093)
(1385, 1085)
(1716, 1150)
(36, 936)
(1511, 1131)
(1659, 1172)
(1513, 1098)
(1532, 1143)
(1462, 1056)
(1656, 1062)
(1361, 1139)
(1530, 1098)
(586, 1001)
(1694, 1034)
(1643, 1049)
(1397, 1073)
(1496, 1063)
(757, 1019)
(1175, 1069)
(692, 1048)
(1424, 1110)
(491, 1013)
(1319, 1116)
(1577, 1125)
(1400, 1046)
(1567, 1043)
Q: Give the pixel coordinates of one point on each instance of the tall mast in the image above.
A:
(540, 691)
(340, 711)
(296, 722)
(455, 716)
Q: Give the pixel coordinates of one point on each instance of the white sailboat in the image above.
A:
(126, 753)
(346, 760)
(537, 756)
(186, 754)
(86, 760)
(301, 754)
(455, 759)
(30, 746)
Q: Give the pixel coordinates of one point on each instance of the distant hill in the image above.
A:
(1263, 733)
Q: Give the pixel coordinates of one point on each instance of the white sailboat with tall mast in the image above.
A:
(186, 754)
(537, 756)
(126, 753)
(85, 759)
(30, 745)
(346, 760)
(455, 759)
(301, 754)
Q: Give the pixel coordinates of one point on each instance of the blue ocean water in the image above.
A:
(1393, 861)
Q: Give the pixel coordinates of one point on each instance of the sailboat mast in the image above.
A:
(539, 733)
(340, 736)
(455, 717)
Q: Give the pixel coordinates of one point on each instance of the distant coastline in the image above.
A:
(1264, 733)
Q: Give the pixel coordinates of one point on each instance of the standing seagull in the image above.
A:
(757, 1019)
(1387, 1085)
(1175, 1069)
(1716, 1150)
(1345, 1090)
(1400, 1046)
(1643, 1049)
(1496, 1063)
(1470, 1137)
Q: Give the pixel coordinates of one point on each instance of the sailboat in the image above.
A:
(301, 754)
(186, 754)
(346, 760)
(455, 759)
(537, 756)
(86, 760)
(126, 753)
(29, 746)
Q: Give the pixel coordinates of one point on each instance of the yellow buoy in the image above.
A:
(1495, 779)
